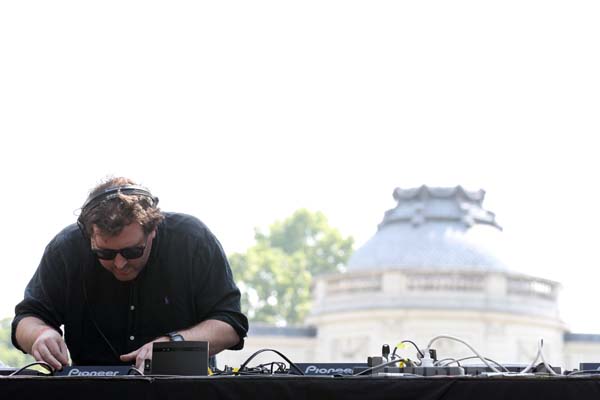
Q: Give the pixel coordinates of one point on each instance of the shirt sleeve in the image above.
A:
(44, 295)
(220, 299)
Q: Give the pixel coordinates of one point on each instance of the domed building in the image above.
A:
(435, 266)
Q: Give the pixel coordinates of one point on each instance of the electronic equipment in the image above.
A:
(178, 358)
(589, 366)
(98, 370)
(77, 370)
(424, 371)
(478, 369)
(329, 369)
(5, 371)
(468, 370)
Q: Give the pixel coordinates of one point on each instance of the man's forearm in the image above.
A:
(219, 334)
(28, 330)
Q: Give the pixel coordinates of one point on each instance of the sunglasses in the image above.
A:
(129, 253)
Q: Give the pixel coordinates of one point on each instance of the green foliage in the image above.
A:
(275, 274)
(8, 354)
(309, 233)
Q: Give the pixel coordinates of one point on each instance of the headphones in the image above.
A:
(94, 200)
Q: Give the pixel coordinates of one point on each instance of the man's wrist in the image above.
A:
(43, 329)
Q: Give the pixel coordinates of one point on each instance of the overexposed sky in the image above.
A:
(242, 112)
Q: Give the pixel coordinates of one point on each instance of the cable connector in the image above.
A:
(426, 360)
(385, 351)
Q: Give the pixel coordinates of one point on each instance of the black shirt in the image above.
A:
(187, 280)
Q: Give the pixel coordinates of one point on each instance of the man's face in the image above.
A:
(130, 237)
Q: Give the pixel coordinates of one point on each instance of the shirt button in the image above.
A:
(132, 307)
(131, 337)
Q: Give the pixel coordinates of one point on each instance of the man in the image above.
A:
(125, 276)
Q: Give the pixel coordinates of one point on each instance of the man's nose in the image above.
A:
(120, 261)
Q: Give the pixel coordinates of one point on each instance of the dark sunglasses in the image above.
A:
(129, 253)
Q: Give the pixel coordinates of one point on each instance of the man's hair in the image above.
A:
(116, 212)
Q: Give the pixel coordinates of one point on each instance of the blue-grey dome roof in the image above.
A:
(433, 228)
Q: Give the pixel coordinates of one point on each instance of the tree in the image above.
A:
(275, 274)
(8, 354)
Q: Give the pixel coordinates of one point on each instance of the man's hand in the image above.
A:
(143, 353)
(50, 348)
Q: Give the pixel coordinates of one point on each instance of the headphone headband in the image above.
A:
(115, 191)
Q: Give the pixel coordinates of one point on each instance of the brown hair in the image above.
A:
(114, 213)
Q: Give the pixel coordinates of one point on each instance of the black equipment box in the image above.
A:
(179, 358)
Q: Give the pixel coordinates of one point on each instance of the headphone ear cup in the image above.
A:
(82, 228)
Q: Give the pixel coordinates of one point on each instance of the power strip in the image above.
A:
(412, 371)
(425, 371)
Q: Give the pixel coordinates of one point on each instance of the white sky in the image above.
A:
(242, 112)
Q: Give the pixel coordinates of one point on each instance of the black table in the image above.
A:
(299, 387)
